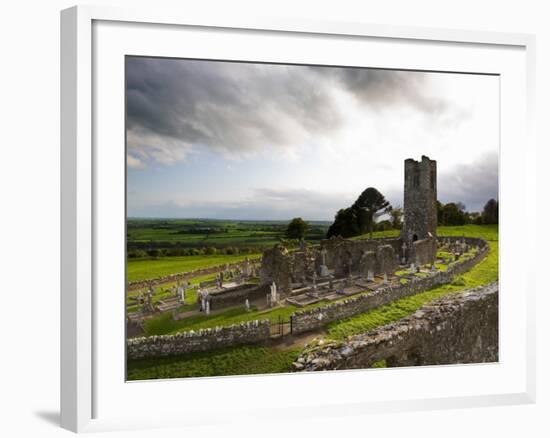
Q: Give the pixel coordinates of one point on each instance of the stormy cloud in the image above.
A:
(176, 106)
(269, 141)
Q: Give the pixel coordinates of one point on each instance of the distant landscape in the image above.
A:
(181, 237)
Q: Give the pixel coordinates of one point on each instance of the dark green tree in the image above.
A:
(439, 213)
(369, 205)
(396, 218)
(296, 229)
(490, 212)
(345, 224)
(453, 214)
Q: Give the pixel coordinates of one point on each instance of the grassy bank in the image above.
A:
(233, 361)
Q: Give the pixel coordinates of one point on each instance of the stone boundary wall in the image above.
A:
(461, 328)
(250, 332)
(135, 285)
(312, 319)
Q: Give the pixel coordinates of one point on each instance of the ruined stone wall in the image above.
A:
(386, 260)
(276, 267)
(313, 319)
(203, 340)
(461, 328)
(341, 251)
(424, 251)
(237, 296)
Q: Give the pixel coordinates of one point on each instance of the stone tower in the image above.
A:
(420, 200)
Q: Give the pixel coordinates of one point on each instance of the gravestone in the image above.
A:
(370, 276)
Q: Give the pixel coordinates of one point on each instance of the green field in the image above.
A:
(201, 233)
(144, 269)
(260, 360)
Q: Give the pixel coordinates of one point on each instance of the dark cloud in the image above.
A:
(229, 107)
(385, 88)
(175, 105)
(473, 184)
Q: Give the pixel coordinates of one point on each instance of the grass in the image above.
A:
(232, 361)
(197, 233)
(484, 272)
(165, 325)
(152, 268)
(261, 360)
(164, 292)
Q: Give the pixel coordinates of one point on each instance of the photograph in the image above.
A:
(290, 218)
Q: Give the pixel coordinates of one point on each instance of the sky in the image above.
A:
(230, 140)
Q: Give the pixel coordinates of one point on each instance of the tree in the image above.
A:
(345, 224)
(396, 218)
(385, 225)
(297, 228)
(369, 205)
(475, 218)
(453, 214)
(490, 212)
(439, 213)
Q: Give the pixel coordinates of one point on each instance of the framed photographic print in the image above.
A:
(291, 217)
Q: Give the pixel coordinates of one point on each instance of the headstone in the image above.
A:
(433, 269)
(268, 300)
(324, 268)
(385, 278)
(273, 289)
(207, 308)
(413, 268)
(302, 244)
(370, 276)
(247, 305)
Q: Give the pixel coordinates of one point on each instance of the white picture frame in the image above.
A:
(83, 315)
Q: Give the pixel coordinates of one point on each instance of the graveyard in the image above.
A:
(256, 313)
